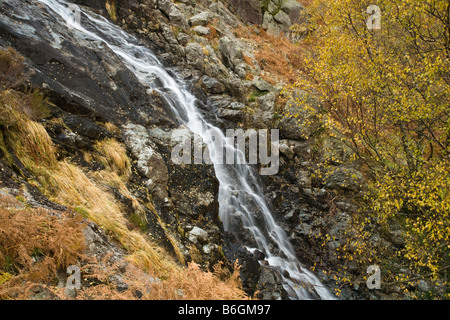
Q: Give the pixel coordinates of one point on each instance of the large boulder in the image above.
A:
(178, 18)
(231, 52)
(201, 31)
(198, 234)
(212, 85)
(226, 108)
(270, 25)
(345, 178)
(284, 19)
(249, 10)
(200, 19)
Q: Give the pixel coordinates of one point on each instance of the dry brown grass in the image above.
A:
(248, 60)
(213, 34)
(27, 138)
(34, 244)
(194, 284)
(111, 9)
(306, 3)
(277, 56)
(74, 188)
(189, 283)
(114, 156)
(15, 105)
(112, 128)
(11, 68)
(37, 144)
(67, 184)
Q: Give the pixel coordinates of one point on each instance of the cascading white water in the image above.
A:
(239, 191)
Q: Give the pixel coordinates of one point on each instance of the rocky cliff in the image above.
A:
(227, 51)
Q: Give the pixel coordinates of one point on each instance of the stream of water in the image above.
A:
(240, 193)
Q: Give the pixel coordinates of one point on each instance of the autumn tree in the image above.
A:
(386, 93)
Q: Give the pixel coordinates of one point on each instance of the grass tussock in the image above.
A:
(26, 137)
(111, 8)
(112, 128)
(114, 156)
(11, 68)
(194, 284)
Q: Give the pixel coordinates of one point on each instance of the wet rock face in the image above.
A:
(250, 271)
(258, 279)
(95, 4)
(91, 87)
(81, 76)
(270, 286)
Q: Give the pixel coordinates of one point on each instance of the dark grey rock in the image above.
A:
(212, 85)
(248, 10)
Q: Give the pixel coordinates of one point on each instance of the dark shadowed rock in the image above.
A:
(85, 127)
(81, 76)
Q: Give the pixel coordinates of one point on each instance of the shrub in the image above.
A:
(34, 244)
(11, 68)
(386, 92)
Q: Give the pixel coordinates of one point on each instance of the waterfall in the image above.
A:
(239, 190)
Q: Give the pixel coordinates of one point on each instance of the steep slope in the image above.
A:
(89, 171)
(108, 139)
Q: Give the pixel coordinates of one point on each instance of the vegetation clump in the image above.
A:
(385, 94)
(36, 244)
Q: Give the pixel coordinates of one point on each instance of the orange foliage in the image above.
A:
(276, 55)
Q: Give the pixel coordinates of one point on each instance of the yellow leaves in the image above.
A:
(387, 94)
(412, 199)
(5, 277)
